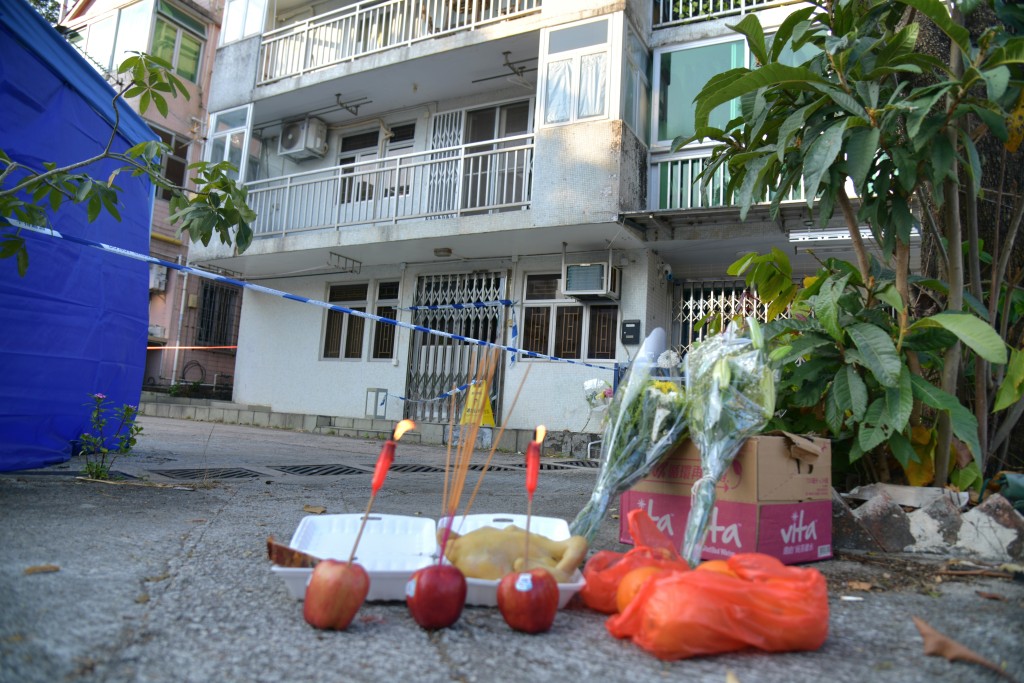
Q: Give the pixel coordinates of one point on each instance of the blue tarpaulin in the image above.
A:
(76, 323)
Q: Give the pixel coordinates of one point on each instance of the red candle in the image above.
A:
(533, 460)
(387, 454)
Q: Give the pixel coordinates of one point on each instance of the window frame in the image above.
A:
(247, 24)
(84, 32)
(385, 307)
(181, 31)
(219, 327)
(177, 140)
(214, 135)
(562, 305)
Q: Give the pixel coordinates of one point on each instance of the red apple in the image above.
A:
(435, 595)
(335, 593)
(528, 600)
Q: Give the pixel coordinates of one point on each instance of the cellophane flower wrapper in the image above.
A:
(645, 421)
(732, 396)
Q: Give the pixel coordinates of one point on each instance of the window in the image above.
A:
(576, 73)
(175, 161)
(108, 40)
(384, 333)
(681, 74)
(243, 18)
(179, 47)
(559, 327)
(217, 314)
(636, 86)
(343, 337)
(229, 138)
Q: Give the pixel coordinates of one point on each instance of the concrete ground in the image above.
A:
(172, 584)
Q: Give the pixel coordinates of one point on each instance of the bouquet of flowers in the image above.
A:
(646, 420)
(733, 392)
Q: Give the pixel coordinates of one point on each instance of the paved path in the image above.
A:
(168, 584)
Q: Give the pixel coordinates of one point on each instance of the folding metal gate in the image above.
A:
(438, 364)
(701, 299)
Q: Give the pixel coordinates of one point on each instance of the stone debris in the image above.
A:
(992, 531)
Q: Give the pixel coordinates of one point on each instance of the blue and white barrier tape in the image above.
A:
(295, 297)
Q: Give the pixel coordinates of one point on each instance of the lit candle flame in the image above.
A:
(401, 428)
(539, 434)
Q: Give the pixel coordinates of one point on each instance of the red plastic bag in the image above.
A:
(605, 569)
(765, 605)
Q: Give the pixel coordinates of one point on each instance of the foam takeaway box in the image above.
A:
(775, 498)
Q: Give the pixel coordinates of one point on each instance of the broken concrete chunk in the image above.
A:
(847, 531)
(886, 522)
(993, 531)
(935, 526)
(908, 496)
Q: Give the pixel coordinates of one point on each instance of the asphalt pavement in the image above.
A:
(165, 578)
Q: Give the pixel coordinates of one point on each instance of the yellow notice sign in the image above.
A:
(478, 407)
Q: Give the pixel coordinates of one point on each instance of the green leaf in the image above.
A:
(900, 401)
(877, 352)
(902, 449)
(826, 306)
(738, 82)
(820, 157)
(972, 331)
(1012, 388)
(937, 12)
(874, 431)
(861, 148)
(751, 28)
(161, 104)
(889, 295)
(965, 425)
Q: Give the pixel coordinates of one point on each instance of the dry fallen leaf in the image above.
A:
(991, 596)
(314, 509)
(859, 585)
(42, 569)
(940, 645)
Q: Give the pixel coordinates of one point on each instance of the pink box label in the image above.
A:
(792, 532)
(797, 532)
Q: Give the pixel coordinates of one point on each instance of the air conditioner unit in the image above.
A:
(157, 332)
(588, 281)
(157, 277)
(303, 139)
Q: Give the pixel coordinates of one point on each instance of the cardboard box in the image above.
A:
(775, 499)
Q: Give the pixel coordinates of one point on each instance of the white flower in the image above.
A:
(669, 360)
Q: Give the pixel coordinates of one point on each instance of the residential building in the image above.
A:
(412, 153)
(192, 324)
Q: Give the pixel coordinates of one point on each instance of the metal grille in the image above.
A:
(444, 176)
(705, 299)
(319, 470)
(415, 469)
(218, 314)
(209, 473)
(437, 364)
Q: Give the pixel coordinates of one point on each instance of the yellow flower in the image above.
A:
(663, 386)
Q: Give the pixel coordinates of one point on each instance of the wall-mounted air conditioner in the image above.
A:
(157, 332)
(157, 277)
(303, 139)
(585, 281)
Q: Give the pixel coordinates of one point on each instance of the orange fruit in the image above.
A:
(632, 582)
(720, 566)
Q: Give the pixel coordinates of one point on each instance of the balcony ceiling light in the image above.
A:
(442, 252)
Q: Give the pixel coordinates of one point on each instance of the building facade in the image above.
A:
(193, 324)
(416, 159)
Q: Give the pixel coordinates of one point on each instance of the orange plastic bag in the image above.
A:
(605, 569)
(766, 605)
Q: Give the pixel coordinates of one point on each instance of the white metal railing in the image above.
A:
(374, 25)
(477, 178)
(675, 178)
(677, 12)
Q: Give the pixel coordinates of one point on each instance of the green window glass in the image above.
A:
(683, 75)
(165, 38)
(188, 57)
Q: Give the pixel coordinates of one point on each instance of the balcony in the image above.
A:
(678, 185)
(678, 12)
(373, 26)
(440, 183)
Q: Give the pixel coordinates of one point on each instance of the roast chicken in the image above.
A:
(489, 553)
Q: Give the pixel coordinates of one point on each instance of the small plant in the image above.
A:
(96, 443)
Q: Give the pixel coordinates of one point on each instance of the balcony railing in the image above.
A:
(677, 12)
(372, 26)
(440, 183)
(678, 186)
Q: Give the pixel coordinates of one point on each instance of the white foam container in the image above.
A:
(392, 548)
(485, 592)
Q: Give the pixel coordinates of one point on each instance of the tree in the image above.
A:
(217, 204)
(49, 9)
(901, 127)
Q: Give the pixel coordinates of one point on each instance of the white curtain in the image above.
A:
(593, 85)
(559, 92)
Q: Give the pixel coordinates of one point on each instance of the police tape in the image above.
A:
(295, 297)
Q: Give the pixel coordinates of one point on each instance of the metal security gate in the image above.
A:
(701, 299)
(438, 364)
